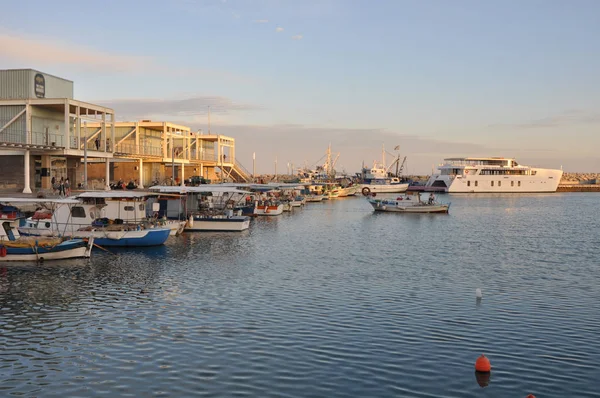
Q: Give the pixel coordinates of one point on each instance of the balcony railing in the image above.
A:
(32, 138)
(142, 150)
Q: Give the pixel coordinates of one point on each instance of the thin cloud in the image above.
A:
(297, 37)
(37, 51)
(44, 52)
(134, 109)
(565, 118)
(261, 21)
(279, 29)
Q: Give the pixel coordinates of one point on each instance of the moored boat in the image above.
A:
(408, 205)
(493, 174)
(14, 247)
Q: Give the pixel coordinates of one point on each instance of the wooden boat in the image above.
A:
(112, 218)
(207, 207)
(408, 205)
(14, 247)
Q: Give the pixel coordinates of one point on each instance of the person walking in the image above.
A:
(97, 142)
(53, 183)
(67, 187)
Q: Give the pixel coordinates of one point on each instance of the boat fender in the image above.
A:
(373, 194)
(384, 208)
(366, 191)
(2, 251)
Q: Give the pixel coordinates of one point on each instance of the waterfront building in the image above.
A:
(45, 133)
(41, 134)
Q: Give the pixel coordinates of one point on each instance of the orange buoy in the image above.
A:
(530, 396)
(483, 364)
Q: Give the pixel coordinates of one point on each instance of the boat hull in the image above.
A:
(74, 248)
(265, 210)
(218, 223)
(397, 206)
(145, 237)
(383, 188)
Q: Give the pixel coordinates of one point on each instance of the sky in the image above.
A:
(287, 78)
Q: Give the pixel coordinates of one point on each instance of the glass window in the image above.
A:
(77, 212)
(475, 183)
(512, 183)
(499, 183)
(468, 183)
(492, 183)
(519, 183)
(129, 208)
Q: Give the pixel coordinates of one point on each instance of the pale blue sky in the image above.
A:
(439, 78)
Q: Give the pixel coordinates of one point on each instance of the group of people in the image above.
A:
(63, 187)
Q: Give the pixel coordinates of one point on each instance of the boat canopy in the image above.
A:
(39, 200)
(115, 194)
(206, 188)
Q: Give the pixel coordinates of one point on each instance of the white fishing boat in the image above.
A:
(379, 179)
(408, 205)
(113, 218)
(493, 174)
(14, 247)
(207, 207)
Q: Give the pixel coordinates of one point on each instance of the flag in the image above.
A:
(397, 148)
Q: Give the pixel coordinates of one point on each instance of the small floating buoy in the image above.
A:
(482, 364)
(530, 396)
(478, 293)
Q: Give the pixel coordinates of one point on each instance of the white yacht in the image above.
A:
(494, 174)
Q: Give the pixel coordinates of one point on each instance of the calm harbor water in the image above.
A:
(332, 300)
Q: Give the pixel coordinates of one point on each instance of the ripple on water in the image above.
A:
(331, 300)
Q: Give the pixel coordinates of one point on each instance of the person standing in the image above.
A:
(53, 183)
(97, 142)
(61, 186)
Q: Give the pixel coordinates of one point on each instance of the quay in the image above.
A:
(578, 188)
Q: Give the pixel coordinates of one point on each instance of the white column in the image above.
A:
(182, 174)
(107, 174)
(141, 180)
(27, 188)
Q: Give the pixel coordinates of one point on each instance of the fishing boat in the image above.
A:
(379, 179)
(113, 218)
(14, 247)
(408, 205)
(208, 207)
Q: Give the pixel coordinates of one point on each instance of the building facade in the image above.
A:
(45, 133)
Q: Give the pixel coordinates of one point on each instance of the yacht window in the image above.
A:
(519, 183)
(129, 208)
(499, 183)
(77, 212)
(512, 183)
(492, 183)
(475, 183)
(468, 183)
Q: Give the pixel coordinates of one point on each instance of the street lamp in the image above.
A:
(85, 173)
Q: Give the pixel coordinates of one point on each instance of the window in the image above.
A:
(468, 183)
(519, 183)
(141, 206)
(475, 183)
(492, 183)
(512, 183)
(129, 208)
(499, 183)
(77, 212)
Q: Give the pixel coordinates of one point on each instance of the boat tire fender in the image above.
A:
(366, 191)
